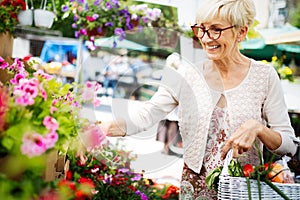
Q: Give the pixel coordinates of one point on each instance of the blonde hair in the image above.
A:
(237, 12)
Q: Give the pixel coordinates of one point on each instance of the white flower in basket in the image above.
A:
(44, 18)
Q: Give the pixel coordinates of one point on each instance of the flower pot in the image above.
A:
(43, 18)
(25, 18)
(6, 47)
(94, 32)
(166, 38)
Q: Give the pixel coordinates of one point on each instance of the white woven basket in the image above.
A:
(236, 187)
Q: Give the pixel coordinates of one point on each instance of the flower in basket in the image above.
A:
(106, 18)
(9, 10)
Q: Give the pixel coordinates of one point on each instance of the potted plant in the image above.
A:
(38, 116)
(9, 10)
(106, 18)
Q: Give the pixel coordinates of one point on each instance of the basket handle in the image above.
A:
(226, 163)
(45, 5)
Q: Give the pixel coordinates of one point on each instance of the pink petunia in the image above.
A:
(42, 74)
(50, 123)
(92, 136)
(3, 63)
(17, 78)
(33, 145)
(26, 91)
(50, 139)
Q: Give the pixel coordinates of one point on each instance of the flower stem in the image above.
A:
(276, 189)
(258, 186)
(249, 188)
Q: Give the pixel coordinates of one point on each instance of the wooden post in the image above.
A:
(6, 47)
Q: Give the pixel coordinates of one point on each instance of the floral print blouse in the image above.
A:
(193, 185)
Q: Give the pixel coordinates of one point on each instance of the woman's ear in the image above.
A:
(242, 33)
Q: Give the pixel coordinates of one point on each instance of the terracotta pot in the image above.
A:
(6, 47)
(94, 32)
(166, 38)
(135, 23)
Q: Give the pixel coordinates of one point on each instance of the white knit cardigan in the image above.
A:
(258, 97)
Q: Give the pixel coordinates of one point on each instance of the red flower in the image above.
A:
(87, 181)
(64, 183)
(171, 192)
(248, 169)
(69, 175)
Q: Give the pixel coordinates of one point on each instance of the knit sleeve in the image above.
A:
(159, 106)
(276, 113)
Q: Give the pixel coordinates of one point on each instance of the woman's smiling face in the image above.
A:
(225, 46)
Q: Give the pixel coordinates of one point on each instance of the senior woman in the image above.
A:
(227, 101)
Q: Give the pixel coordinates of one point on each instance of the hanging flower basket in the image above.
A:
(44, 18)
(25, 18)
(97, 32)
(166, 38)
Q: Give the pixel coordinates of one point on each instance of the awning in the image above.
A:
(286, 34)
(286, 38)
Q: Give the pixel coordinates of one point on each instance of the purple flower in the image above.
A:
(121, 33)
(99, 30)
(97, 2)
(95, 16)
(108, 6)
(65, 8)
(145, 19)
(136, 177)
(74, 25)
(109, 24)
(116, 3)
(114, 44)
(76, 34)
(124, 170)
(144, 196)
(75, 18)
(138, 192)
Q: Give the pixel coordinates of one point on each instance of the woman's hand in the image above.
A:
(243, 138)
(114, 128)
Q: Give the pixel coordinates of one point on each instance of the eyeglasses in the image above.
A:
(212, 33)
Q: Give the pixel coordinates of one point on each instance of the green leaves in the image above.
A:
(235, 169)
(212, 178)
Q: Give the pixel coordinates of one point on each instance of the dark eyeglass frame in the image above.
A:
(194, 27)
